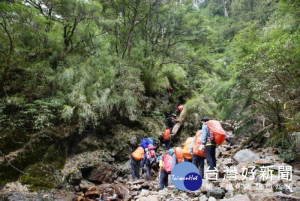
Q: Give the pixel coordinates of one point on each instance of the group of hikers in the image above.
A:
(195, 150)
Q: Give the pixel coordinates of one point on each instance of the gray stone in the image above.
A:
(216, 192)
(245, 155)
(296, 191)
(232, 139)
(212, 199)
(85, 185)
(260, 195)
(149, 198)
(237, 198)
(203, 198)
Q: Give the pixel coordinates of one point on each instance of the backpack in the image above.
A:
(145, 143)
(151, 151)
(197, 144)
(138, 154)
(180, 108)
(186, 149)
(151, 140)
(168, 163)
(217, 133)
(179, 155)
(167, 134)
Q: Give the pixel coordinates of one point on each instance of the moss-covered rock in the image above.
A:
(42, 176)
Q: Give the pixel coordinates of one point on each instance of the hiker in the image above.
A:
(171, 120)
(208, 144)
(186, 151)
(149, 160)
(177, 156)
(167, 138)
(135, 162)
(165, 166)
(197, 149)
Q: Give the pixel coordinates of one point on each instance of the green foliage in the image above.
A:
(95, 64)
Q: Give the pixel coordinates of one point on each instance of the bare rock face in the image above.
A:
(104, 173)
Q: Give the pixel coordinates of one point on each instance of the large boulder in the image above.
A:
(245, 155)
(81, 165)
(41, 176)
(105, 173)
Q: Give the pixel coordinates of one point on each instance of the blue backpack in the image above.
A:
(151, 140)
(145, 143)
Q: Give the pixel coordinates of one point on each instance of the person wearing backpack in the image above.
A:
(149, 160)
(171, 121)
(177, 156)
(198, 153)
(208, 144)
(136, 158)
(166, 166)
(167, 138)
(186, 150)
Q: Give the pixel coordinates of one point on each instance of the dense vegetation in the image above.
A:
(87, 65)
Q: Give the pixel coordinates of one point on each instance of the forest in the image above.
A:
(73, 70)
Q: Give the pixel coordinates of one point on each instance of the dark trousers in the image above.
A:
(135, 168)
(148, 169)
(168, 144)
(199, 162)
(211, 156)
(163, 179)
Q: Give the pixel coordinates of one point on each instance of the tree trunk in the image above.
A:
(226, 5)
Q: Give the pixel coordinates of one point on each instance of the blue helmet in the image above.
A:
(171, 151)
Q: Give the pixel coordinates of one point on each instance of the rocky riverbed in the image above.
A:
(243, 174)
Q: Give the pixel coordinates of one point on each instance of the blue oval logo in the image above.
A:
(185, 176)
